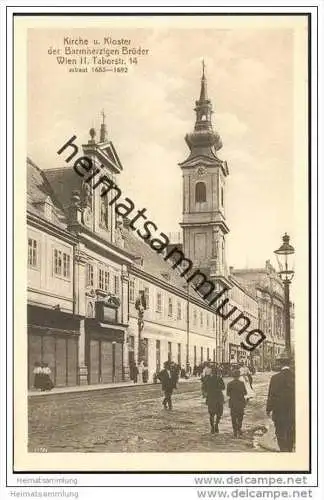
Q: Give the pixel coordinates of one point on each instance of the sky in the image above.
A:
(149, 111)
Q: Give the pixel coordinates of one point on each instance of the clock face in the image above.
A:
(201, 171)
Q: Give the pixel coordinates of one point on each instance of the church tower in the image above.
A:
(204, 176)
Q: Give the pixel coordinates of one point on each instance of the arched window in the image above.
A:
(200, 193)
(222, 196)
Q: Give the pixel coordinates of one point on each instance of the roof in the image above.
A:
(155, 265)
(39, 191)
(63, 182)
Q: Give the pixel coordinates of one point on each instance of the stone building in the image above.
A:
(266, 286)
(87, 268)
(205, 227)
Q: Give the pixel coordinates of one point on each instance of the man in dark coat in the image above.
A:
(236, 392)
(215, 399)
(281, 403)
(168, 379)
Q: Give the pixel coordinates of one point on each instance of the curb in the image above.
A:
(98, 387)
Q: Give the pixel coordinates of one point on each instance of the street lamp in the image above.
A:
(140, 306)
(286, 276)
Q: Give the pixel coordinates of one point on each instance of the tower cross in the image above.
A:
(203, 67)
(103, 116)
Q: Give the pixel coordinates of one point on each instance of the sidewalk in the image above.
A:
(97, 387)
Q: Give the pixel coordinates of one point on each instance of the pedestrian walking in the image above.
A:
(206, 372)
(281, 404)
(236, 392)
(215, 399)
(175, 373)
(168, 382)
(246, 378)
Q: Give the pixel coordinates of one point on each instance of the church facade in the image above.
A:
(87, 271)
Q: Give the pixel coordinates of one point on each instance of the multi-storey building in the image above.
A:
(205, 227)
(86, 267)
(266, 286)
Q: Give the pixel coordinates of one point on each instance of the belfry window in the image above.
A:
(200, 192)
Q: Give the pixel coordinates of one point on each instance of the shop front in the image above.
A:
(53, 338)
(238, 355)
(104, 346)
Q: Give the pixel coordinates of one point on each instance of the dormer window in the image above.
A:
(200, 192)
(48, 210)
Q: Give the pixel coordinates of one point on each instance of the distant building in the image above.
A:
(266, 286)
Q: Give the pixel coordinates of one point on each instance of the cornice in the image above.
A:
(47, 226)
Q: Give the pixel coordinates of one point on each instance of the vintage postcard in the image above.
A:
(161, 181)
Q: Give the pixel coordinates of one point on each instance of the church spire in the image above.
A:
(203, 136)
(203, 89)
(203, 106)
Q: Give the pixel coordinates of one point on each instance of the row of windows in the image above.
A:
(105, 282)
(61, 259)
(204, 353)
(62, 267)
(174, 308)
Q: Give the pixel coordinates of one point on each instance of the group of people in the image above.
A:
(239, 391)
(42, 376)
(139, 373)
(280, 402)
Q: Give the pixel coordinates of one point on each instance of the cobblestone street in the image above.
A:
(131, 419)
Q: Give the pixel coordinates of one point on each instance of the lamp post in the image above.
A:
(286, 276)
(140, 305)
(188, 329)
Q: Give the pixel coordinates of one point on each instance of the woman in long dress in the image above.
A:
(37, 372)
(47, 383)
(245, 378)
